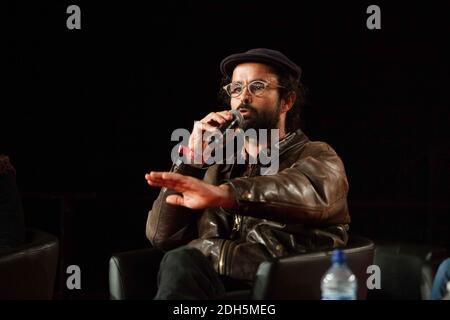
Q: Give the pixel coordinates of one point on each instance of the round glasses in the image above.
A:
(256, 88)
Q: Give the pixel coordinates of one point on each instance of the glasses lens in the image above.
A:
(257, 87)
(234, 89)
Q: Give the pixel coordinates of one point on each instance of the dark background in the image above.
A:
(85, 113)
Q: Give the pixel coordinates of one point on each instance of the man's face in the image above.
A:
(259, 112)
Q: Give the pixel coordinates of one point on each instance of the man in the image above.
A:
(225, 219)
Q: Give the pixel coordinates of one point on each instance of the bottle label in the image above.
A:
(338, 296)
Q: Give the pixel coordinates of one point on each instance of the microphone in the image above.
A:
(236, 122)
(217, 139)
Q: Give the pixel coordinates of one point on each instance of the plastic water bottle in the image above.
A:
(338, 283)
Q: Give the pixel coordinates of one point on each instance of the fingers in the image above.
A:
(226, 114)
(218, 117)
(156, 179)
(207, 124)
(169, 180)
(164, 184)
(198, 139)
(175, 200)
(164, 175)
(201, 126)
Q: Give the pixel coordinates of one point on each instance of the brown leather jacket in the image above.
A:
(301, 208)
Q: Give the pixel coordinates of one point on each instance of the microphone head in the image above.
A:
(238, 120)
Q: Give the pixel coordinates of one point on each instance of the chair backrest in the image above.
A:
(28, 271)
(407, 270)
(299, 276)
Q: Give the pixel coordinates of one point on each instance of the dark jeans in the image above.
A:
(439, 289)
(185, 273)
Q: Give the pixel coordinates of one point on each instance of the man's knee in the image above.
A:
(444, 268)
(182, 256)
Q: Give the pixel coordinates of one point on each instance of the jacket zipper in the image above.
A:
(223, 252)
(238, 218)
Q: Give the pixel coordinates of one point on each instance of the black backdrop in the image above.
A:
(85, 113)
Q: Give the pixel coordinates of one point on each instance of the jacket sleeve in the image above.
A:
(169, 226)
(312, 190)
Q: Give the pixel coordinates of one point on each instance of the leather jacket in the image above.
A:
(301, 208)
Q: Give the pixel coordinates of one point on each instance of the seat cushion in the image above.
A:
(28, 271)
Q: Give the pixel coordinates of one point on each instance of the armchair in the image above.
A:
(28, 271)
(132, 274)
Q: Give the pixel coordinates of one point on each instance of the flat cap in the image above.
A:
(262, 55)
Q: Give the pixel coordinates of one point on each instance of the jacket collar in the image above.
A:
(292, 140)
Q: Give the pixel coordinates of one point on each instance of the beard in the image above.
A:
(262, 119)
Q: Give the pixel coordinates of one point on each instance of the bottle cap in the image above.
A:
(338, 256)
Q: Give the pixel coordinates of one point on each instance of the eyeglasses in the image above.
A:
(256, 88)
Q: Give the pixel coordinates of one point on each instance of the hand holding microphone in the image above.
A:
(216, 124)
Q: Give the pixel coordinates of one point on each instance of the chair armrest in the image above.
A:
(299, 277)
(28, 271)
(133, 274)
(295, 277)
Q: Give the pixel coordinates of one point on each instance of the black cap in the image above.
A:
(262, 55)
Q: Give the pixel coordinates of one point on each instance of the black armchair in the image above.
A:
(407, 270)
(28, 271)
(132, 275)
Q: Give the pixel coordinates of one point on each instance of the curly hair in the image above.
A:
(290, 85)
(5, 165)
